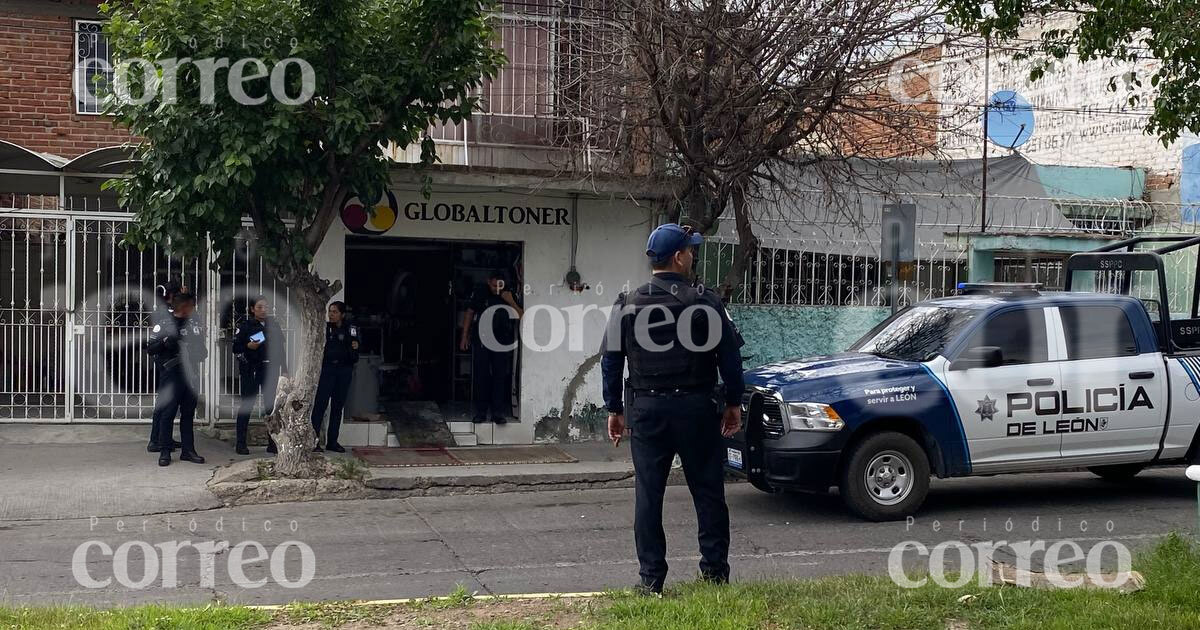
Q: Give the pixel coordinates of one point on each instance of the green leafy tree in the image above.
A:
(1121, 30)
(382, 71)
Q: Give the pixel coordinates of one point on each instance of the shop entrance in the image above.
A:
(408, 297)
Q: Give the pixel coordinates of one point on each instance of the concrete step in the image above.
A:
(484, 431)
(461, 427)
(466, 439)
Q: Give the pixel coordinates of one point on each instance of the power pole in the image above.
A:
(987, 99)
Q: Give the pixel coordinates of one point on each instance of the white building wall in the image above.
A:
(610, 256)
(1078, 120)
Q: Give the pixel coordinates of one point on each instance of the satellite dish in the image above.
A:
(1009, 119)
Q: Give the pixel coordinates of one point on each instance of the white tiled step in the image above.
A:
(465, 439)
(461, 427)
(484, 432)
(364, 433)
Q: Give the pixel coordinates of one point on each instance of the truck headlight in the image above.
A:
(805, 416)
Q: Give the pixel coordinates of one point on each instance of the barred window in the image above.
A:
(809, 274)
(93, 67)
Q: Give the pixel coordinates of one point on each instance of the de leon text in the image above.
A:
(460, 213)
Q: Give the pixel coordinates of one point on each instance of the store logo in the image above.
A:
(375, 218)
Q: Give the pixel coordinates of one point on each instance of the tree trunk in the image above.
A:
(290, 423)
(747, 241)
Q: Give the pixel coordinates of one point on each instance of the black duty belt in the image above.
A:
(672, 392)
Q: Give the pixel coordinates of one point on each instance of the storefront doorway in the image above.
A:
(408, 297)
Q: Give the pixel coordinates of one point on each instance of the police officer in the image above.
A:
(665, 329)
(258, 347)
(178, 349)
(161, 317)
(337, 366)
(493, 315)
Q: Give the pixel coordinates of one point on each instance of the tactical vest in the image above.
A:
(676, 367)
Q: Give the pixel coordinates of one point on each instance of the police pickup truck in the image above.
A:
(999, 379)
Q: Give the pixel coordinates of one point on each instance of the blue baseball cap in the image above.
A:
(669, 238)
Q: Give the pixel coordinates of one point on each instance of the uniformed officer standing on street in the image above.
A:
(178, 349)
(337, 367)
(665, 329)
(161, 317)
(259, 348)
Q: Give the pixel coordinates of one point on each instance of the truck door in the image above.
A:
(1003, 407)
(1114, 397)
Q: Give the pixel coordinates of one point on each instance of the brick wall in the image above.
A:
(37, 107)
(896, 116)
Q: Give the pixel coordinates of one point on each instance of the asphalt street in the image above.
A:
(548, 542)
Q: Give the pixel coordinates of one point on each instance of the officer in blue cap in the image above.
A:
(664, 329)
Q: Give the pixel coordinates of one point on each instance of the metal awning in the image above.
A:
(27, 172)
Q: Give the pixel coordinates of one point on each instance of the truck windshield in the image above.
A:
(918, 333)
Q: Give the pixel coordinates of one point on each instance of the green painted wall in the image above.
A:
(774, 333)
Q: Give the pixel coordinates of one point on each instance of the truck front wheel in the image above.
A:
(886, 477)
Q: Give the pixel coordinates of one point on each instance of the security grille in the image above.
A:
(114, 300)
(243, 276)
(33, 299)
(93, 70)
(76, 307)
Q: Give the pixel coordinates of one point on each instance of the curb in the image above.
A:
(255, 492)
(402, 487)
(484, 598)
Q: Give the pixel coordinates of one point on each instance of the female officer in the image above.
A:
(258, 346)
(337, 366)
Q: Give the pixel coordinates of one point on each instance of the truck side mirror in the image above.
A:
(979, 356)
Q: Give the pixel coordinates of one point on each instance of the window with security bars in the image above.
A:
(93, 67)
(853, 276)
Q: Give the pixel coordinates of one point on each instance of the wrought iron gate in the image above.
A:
(76, 307)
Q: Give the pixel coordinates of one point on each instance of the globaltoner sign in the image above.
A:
(486, 213)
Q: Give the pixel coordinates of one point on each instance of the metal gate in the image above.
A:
(76, 307)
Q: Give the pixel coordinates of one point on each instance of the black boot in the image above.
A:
(271, 448)
(191, 456)
(241, 449)
(164, 458)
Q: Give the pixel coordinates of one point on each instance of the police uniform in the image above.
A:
(672, 410)
(177, 345)
(337, 368)
(258, 370)
(161, 317)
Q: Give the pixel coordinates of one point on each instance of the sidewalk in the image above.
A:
(81, 471)
(68, 471)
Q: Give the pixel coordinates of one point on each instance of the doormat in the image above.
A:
(385, 457)
(536, 454)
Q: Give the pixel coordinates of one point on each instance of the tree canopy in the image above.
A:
(278, 109)
(382, 71)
